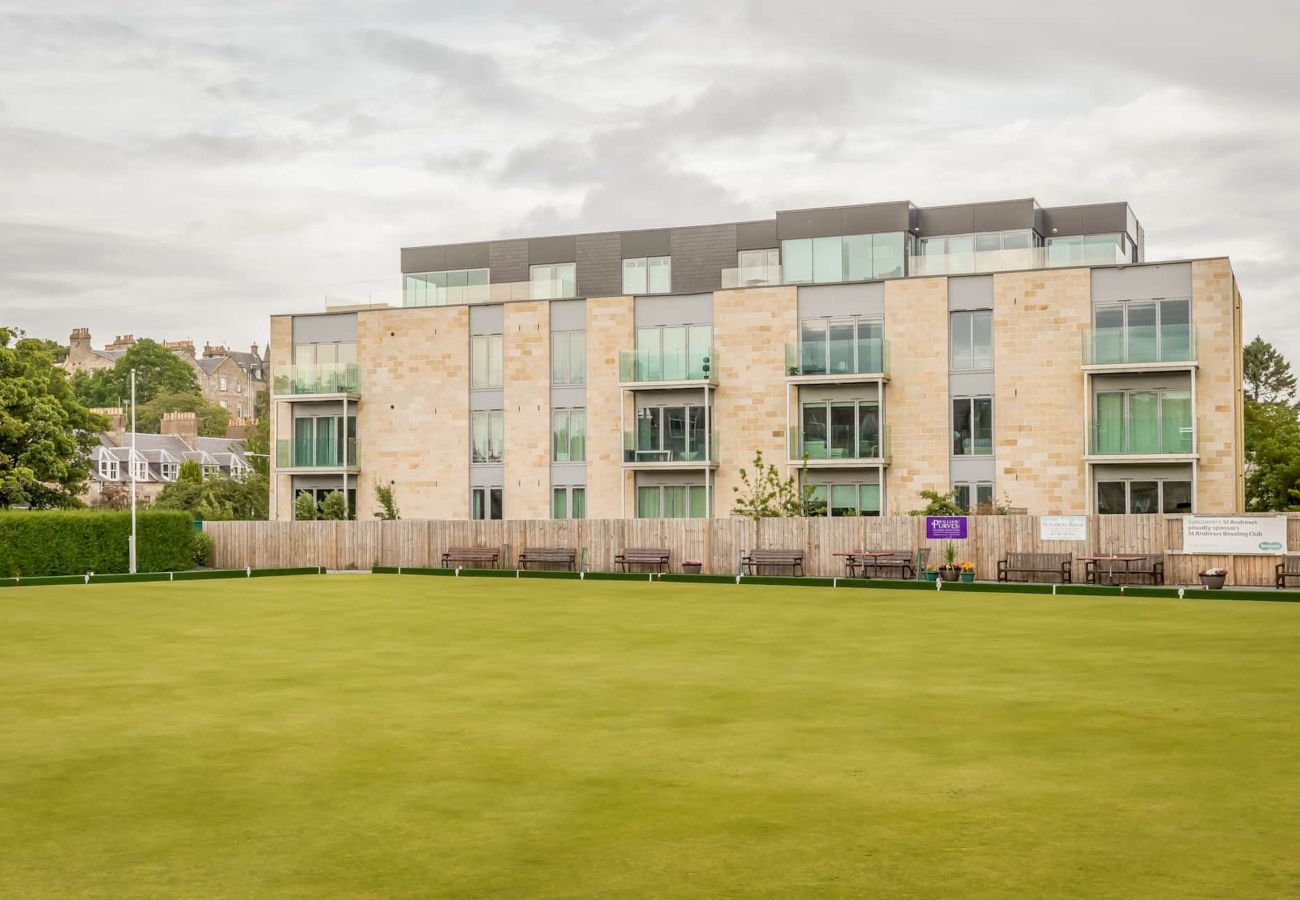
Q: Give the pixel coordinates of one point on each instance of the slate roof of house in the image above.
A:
(225, 453)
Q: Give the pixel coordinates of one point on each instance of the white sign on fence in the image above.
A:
(1063, 528)
(1234, 534)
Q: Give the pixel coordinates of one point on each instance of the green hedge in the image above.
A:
(73, 542)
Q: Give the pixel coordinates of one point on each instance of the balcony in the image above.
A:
(317, 380)
(1140, 347)
(673, 454)
(870, 450)
(750, 276)
(965, 263)
(661, 370)
(1143, 440)
(837, 362)
(421, 292)
(289, 454)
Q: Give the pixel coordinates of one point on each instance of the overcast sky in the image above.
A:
(182, 169)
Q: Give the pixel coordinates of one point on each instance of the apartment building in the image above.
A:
(1017, 354)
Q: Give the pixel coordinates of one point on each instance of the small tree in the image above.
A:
(937, 504)
(1266, 374)
(766, 495)
(190, 472)
(112, 496)
(304, 508)
(387, 503)
(334, 507)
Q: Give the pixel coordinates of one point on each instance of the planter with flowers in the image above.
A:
(1214, 578)
(948, 571)
(931, 571)
(692, 567)
(967, 569)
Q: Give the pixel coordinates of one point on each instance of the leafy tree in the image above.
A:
(304, 508)
(1272, 457)
(387, 503)
(113, 496)
(257, 443)
(213, 419)
(58, 352)
(190, 472)
(938, 504)
(334, 506)
(216, 498)
(1267, 374)
(158, 371)
(766, 495)
(46, 435)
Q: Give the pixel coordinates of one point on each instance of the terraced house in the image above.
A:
(1011, 352)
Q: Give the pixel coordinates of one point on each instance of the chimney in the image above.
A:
(116, 416)
(253, 350)
(180, 348)
(211, 350)
(185, 425)
(123, 342)
(78, 346)
(238, 429)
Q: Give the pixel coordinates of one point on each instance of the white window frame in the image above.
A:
(952, 427)
(1128, 494)
(546, 281)
(568, 491)
(486, 362)
(969, 314)
(638, 280)
(486, 493)
(110, 467)
(488, 417)
(568, 340)
(857, 493)
(568, 414)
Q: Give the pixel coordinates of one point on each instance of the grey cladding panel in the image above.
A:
(568, 315)
(699, 256)
(568, 475)
(424, 259)
(813, 393)
(809, 223)
(844, 476)
(600, 265)
(842, 300)
(468, 256)
(494, 398)
(875, 218)
(568, 396)
(1153, 381)
(757, 235)
(970, 384)
(646, 243)
(683, 397)
(509, 261)
(487, 476)
(974, 469)
(1176, 472)
(1101, 218)
(542, 251)
(1005, 215)
(970, 292)
(486, 319)
(684, 309)
(1142, 282)
(325, 329)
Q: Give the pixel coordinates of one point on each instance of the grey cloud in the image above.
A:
(476, 76)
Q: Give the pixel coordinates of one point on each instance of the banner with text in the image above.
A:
(952, 528)
(1063, 528)
(1234, 534)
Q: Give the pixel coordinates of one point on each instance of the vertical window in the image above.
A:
(225, 384)
(486, 364)
(972, 426)
(569, 435)
(485, 503)
(648, 275)
(672, 501)
(970, 339)
(828, 259)
(844, 499)
(559, 503)
(487, 435)
(758, 267)
(554, 281)
(797, 261)
(974, 497)
(674, 352)
(568, 503)
(841, 429)
(568, 357)
(647, 503)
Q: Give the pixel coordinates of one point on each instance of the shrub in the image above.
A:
(71, 542)
(334, 506)
(304, 508)
(203, 549)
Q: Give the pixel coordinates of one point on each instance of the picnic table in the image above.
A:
(855, 559)
(1110, 564)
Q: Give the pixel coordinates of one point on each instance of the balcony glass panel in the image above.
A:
(1176, 422)
(1142, 344)
(842, 346)
(816, 433)
(1175, 330)
(317, 378)
(843, 430)
(812, 347)
(857, 257)
(674, 353)
(871, 349)
(797, 261)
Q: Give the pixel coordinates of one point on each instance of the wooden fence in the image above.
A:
(718, 543)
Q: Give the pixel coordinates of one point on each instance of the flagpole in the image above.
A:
(130, 467)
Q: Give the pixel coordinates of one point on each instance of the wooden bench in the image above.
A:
(1289, 567)
(548, 556)
(900, 562)
(655, 558)
(1055, 565)
(471, 557)
(785, 559)
(1131, 571)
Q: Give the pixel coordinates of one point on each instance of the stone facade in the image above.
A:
(1216, 309)
(527, 368)
(610, 330)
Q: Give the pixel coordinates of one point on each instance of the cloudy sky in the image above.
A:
(183, 169)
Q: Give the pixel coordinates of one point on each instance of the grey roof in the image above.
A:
(210, 364)
(110, 355)
(225, 453)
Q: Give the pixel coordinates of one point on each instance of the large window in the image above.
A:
(1138, 331)
(674, 352)
(109, 467)
(1139, 422)
(485, 503)
(320, 441)
(487, 435)
(850, 257)
(554, 281)
(972, 426)
(568, 435)
(1144, 496)
(318, 496)
(985, 251)
(754, 268)
(970, 340)
(568, 357)
(838, 346)
(981, 492)
(568, 503)
(450, 287)
(672, 501)
(485, 361)
(841, 429)
(648, 275)
(1090, 250)
(669, 434)
(844, 500)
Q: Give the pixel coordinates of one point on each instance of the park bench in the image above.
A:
(1035, 565)
(1289, 567)
(1127, 568)
(471, 557)
(785, 559)
(655, 558)
(548, 557)
(900, 563)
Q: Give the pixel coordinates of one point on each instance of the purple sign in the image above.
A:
(949, 527)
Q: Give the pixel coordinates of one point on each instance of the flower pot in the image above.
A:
(931, 576)
(967, 577)
(948, 573)
(1214, 582)
(692, 568)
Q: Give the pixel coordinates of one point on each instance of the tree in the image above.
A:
(257, 442)
(767, 495)
(1272, 457)
(334, 507)
(158, 371)
(1267, 374)
(46, 435)
(213, 419)
(112, 496)
(387, 503)
(304, 508)
(938, 504)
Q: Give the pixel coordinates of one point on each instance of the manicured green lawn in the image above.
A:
(383, 736)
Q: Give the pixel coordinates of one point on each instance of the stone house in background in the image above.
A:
(227, 378)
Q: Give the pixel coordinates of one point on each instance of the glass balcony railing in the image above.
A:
(865, 356)
(420, 292)
(649, 366)
(750, 276)
(868, 446)
(973, 261)
(1139, 344)
(672, 451)
(319, 378)
(1141, 438)
(289, 454)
